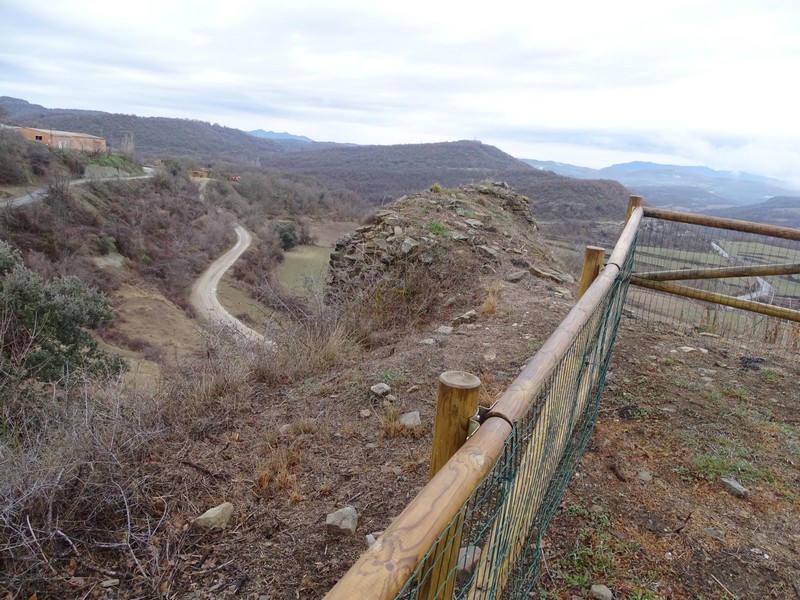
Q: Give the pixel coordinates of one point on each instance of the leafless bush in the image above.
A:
(69, 496)
(312, 338)
(120, 339)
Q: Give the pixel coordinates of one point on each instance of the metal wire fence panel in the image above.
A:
(672, 246)
(495, 539)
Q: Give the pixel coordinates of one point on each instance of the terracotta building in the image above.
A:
(63, 139)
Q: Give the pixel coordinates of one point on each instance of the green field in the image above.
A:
(652, 258)
(304, 268)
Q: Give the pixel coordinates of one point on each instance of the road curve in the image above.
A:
(204, 291)
(41, 192)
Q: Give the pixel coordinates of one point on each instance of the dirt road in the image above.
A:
(204, 291)
(40, 193)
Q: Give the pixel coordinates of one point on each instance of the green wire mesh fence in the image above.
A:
(493, 544)
(673, 246)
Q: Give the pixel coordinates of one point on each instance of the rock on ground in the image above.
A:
(600, 592)
(380, 389)
(342, 522)
(410, 419)
(467, 558)
(215, 518)
(734, 487)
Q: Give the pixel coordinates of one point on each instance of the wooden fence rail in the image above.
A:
(658, 280)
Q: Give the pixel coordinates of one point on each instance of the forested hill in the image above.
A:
(152, 136)
(382, 173)
(376, 173)
(780, 210)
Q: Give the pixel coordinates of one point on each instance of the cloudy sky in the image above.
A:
(579, 81)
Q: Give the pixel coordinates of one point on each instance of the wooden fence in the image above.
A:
(474, 530)
(521, 442)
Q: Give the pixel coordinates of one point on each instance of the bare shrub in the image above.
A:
(67, 490)
(213, 387)
(310, 344)
(377, 306)
(118, 338)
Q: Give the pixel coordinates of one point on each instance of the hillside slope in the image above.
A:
(376, 174)
(780, 210)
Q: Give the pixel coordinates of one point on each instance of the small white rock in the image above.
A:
(600, 592)
(410, 419)
(342, 522)
(380, 389)
(215, 518)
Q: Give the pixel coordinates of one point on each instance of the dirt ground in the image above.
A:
(645, 514)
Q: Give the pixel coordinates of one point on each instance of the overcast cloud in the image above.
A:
(583, 82)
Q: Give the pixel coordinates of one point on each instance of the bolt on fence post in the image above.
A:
(456, 404)
(634, 202)
(592, 261)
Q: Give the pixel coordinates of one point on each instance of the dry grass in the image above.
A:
(490, 304)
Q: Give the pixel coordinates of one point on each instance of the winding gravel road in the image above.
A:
(204, 291)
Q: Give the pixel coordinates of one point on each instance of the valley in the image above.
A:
(104, 500)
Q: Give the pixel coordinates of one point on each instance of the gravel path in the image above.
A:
(204, 291)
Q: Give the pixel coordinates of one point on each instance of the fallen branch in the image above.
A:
(202, 469)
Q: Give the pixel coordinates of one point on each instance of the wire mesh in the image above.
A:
(666, 245)
(491, 548)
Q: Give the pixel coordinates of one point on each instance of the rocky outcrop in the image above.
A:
(481, 223)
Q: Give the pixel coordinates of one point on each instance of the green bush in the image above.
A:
(44, 325)
(287, 233)
(13, 158)
(106, 244)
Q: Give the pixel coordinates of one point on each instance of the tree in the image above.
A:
(43, 325)
(287, 232)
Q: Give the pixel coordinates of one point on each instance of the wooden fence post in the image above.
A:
(634, 202)
(592, 261)
(456, 404)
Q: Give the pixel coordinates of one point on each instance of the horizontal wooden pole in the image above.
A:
(786, 233)
(513, 404)
(722, 272)
(383, 569)
(723, 299)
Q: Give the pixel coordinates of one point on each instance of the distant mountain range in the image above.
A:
(272, 135)
(379, 174)
(682, 188)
